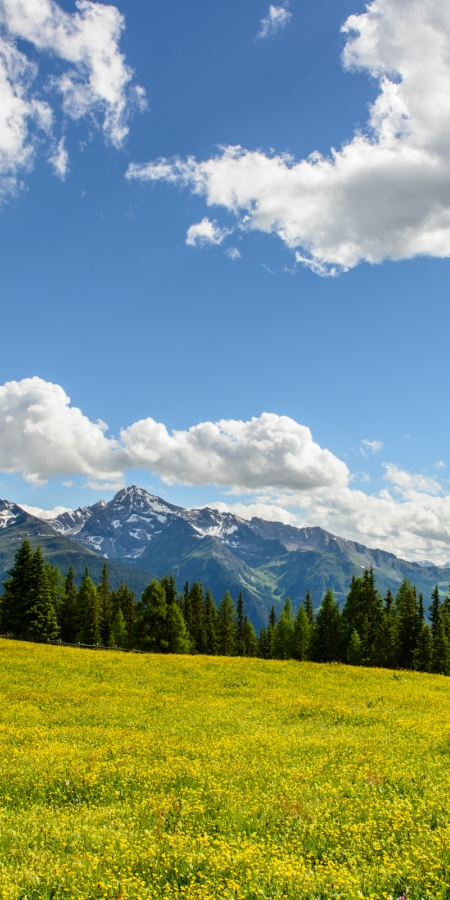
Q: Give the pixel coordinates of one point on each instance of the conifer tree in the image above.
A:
(56, 583)
(16, 592)
(88, 631)
(69, 609)
(170, 586)
(226, 626)
(153, 623)
(355, 649)
(440, 649)
(434, 609)
(105, 606)
(328, 631)
(186, 609)
(407, 618)
(271, 631)
(309, 609)
(263, 644)
(250, 639)
(422, 650)
(240, 626)
(302, 633)
(177, 634)
(210, 620)
(363, 613)
(41, 621)
(119, 634)
(284, 633)
(197, 624)
(386, 645)
(123, 599)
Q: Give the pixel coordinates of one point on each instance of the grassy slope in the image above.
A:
(60, 551)
(148, 777)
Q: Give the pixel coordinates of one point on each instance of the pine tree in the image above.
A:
(250, 639)
(422, 650)
(123, 599)
(170, 586)
(69, 609)
(355, 649)
(16, 593)
(363, 613)
(88, 629)
(284, 633)
(40, 615)
(434, 609)
(302, 633)
(177, 635)
(328, 631)
(186, 609)
(105, 605)
(240, 626)
(226, 626)
(440, 650)
(407, 619)
(56, 583)
(119, 634)
(197, 625)
(271, 631)
(309, 609)
(386, 646)
(263, 644)
(210, 620)
(154, 619)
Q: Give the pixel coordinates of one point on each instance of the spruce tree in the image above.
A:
(302, 634)
(226, 626)
(407, 618)
(41, 621)
(327, 633)
(240, 626)
(69, 609)
(88, 628)
(177, 634)
(119, 634)
(433, 609)
(263, 644)
(186, 609)
(105, 605)
(355, 649)
(153, 635)
(16, 593)
(123, 599)
(210, 620)
(422, 650)
(197, 625)
(271, 631)
(309, 609)
(440, 649)
(250, 639)
(284, 633)
(170, 586)
(363, 613)
(386, 646)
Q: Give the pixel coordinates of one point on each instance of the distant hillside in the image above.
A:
(266, 560)
(16, 525)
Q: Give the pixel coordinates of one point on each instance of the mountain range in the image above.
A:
(142, 535)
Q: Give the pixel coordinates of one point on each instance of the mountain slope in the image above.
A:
(16, 525)
(266, 560)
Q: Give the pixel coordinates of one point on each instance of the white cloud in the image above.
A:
(386, 193)
(271, 461)
(44, 513)
(276, 19)
(372, 446)
(232, 253)
(440, 464)
(205, 232)
(60, 160)
(95, 80)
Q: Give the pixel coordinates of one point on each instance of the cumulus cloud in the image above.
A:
(232, 253)
(276, 19)
(205, 232)
(270, 461)
(44, 513)
(386, 193)
(95, 80)
(372, 446)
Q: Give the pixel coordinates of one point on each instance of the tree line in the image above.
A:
(390, 632)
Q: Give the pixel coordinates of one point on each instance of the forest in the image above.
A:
(394, 632)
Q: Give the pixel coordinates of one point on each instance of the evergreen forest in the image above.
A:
(395, 632)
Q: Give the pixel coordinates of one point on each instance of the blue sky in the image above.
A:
(103, 296)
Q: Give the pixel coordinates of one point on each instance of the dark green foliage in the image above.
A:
(69, 609)
(105, 606)
(386, 644)
(152, 619)
(210, 620)
(240, 626)
(327, 634)
(16, 593)
(263, 644)
(355, 649)
(363, 613)
(40, 615)
(176, 631)
(197, 633)
(407, 611)
(226, 626)
(250, 639)
(283, 644)
(422, 650)
(309, 609)
(303, 626)
(119, 634)
(88, 626)
(123, 600)
(433, 609)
